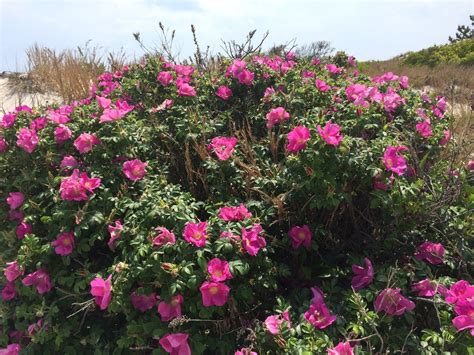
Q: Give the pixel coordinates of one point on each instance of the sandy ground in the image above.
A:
(10, 99)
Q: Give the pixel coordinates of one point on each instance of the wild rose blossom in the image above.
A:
(245, 351)
(8, 120)
(85, 142)
(13, 271)
(134, 169)
(169, 311)
(391, 100)
(446, 137)
(23, 229)
(392, 302)
(214, 293)
(16, 215)
(176, 344)
(357, 93)
(102, 291)
(115, 232)
(223, 147)
(27, 140)
(11, 349)
(64, 243)
(424, 288)
(246, 77)
(297, 139)
(3, 145)
(322, 86)
(276, 116)
(464, 310)
(331, 133)
(69, 161)
(364, 275)
(143, 302)
(333, 69)
(224, 92)
(274, 322)
(393, 161)
(103, 102)
(300, 236)
(341, 349)
(165, 78)
(432, 253)
(318, 315)
(237, 213)
(74, 187)
(186, 90)
(195, 233)
(111, 114)
(424, 128)
(163, 237)
(15, 200)
(252, 242)
(40, 279)
(38, 124)
(8, 291)
(219, 270)
(459, 291)
(184, 70)
(62, 134)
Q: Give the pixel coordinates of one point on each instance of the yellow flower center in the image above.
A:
(301, 235)
(213, 290)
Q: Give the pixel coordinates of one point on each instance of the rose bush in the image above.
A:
(269, 205)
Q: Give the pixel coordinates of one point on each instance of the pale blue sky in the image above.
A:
(368, 29)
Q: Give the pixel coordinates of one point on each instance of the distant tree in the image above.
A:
(464, 32)
(320, 49)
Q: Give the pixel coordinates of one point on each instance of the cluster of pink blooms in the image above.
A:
(113, 112)
(393, 161)
(237, 213)
(76, 186)
(215, 292)
(461, 295)
(115, 232)
(238, 70)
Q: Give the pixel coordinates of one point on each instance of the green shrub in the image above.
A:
(377, 189)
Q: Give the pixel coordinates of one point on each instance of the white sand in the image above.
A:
(9, 99)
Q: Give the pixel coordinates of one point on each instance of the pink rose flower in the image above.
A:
(15, 200)
(39, 124)
(85, 142)
(342, 349)
(297, 139)
(274, 323)
(393, 161)
(364, 275)
(223, 146)
(27, 140)
(165, 78)
(134, 169)
(465, 315)
(195, 233)
(169, 311)
(103, 102)
(176, 344)
(252, 242)
(3, 145)
(61, 134)
(432, 253)
(330, 133)
(392, 302)
(101, 290)
(219, 270)
(74, 187)
(459, 291)
(184, 70)
(424, 288)
(237, 213)
(40, 279)
(322, 86)
(143, 302)
(245, 77)
(164, 237)
(12, 349)
(214, 293)
(224, 92)
(245, 351)
(115, 233)
(318, 315)
(276, 116)
(8, 291)
(8, 120)
(64, 243)
(186, 90)
(69, 161)
(23, 229)
(333, 69)
(300, 236)
(13, 271)
(424, 128)
(446, 137)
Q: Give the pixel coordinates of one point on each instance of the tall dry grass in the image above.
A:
(70, 72)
